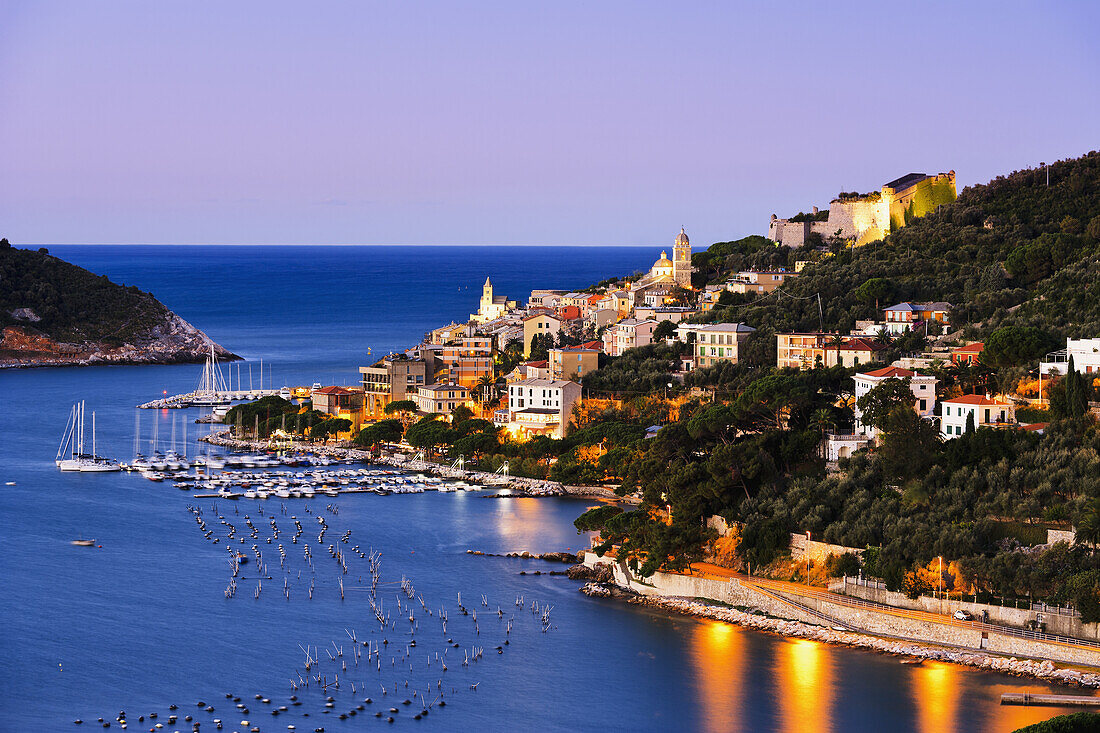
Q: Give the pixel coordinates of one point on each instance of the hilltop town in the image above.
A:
(912, 384)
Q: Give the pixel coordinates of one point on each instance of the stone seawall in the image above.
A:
(909, 635)
(1055, 623)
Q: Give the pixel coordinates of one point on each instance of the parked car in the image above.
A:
(961, 615)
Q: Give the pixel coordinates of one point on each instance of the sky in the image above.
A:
(586, 123)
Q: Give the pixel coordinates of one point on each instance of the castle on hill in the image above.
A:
(865, 218)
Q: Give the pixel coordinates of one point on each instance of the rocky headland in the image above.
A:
(53, 313)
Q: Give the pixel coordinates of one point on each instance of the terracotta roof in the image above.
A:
(976, 399)
(891, 371)
(862, 345)
(536, 364)
(1036, 427)
(587, 346)
(333, 390)
(974, 348)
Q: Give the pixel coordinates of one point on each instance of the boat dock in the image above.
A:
(1030, 698)
(187, 399)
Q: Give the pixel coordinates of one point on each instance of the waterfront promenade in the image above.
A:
(839, 619)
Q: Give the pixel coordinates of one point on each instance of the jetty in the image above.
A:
(1031, 698)
(214, 391)
(188, 399)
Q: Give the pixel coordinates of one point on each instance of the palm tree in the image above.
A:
(822, 420)
(485, 387)
(836, 342)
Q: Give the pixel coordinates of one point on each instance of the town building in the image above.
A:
(392, 379)
(1085, 353)
(539, 325)
(492, 306)
(987, 412)
(807, 350)
(469, 360)
(922, 386)
(758, 281)
(340, 402)
(714, 342)
(447, 334)
(600, 317)
(627, 334)
(541, 407)
(539, 297)
(968, 354)
(441, 399)
(915, 316)
(673, 313)
(573, 362)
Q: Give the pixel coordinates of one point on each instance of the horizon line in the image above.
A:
(303, 244)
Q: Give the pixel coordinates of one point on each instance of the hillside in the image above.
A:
(55, 313)
(1013, 251)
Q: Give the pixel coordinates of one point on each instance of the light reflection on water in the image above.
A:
(819, 688)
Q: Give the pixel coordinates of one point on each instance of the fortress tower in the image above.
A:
(681, 260)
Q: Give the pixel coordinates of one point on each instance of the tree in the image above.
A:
(461, 414)
(875, 406)
(595, 519)
(403, 408)
(331, 426)
(909, 442)
(1015, 345)
(874, 290)
(665, 329)
(429, 434)
(383, 431)
(541, 343)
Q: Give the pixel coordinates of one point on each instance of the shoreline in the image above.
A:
(1044, 670)
(521, 486)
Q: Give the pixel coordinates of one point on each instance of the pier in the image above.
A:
(188, 399)
(1030, 698)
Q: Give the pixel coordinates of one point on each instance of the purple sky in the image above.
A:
(514, 122)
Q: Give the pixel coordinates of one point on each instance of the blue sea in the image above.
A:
(142, 621)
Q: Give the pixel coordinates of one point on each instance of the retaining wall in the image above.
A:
(1063, 625)
(865, 619)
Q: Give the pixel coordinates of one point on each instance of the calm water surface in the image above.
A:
(143, 622)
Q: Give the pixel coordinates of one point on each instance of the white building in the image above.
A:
(541, 406)
(627, 334)
(987, 412)
(714, 342)
(922, 386)
(441, 399)
(1085, 353)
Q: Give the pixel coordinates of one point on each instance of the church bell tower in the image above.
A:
(681, 260)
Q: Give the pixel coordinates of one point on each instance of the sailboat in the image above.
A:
(71, 455)
(212, 387)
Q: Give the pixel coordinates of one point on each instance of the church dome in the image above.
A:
(663, 262)
(681, 238)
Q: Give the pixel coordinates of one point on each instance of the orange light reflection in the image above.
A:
(806, 687)
(718, 660)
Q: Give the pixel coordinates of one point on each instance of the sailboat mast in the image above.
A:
(93, 434)
(81, 444)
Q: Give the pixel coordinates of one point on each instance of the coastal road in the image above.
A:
(805, 591)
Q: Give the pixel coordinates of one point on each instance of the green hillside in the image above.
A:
(1011, 251)
(72, 304)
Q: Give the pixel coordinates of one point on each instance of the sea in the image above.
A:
(146, 620)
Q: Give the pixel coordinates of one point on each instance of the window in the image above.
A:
(923, 405)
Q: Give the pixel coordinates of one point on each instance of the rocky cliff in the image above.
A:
(54, 313)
